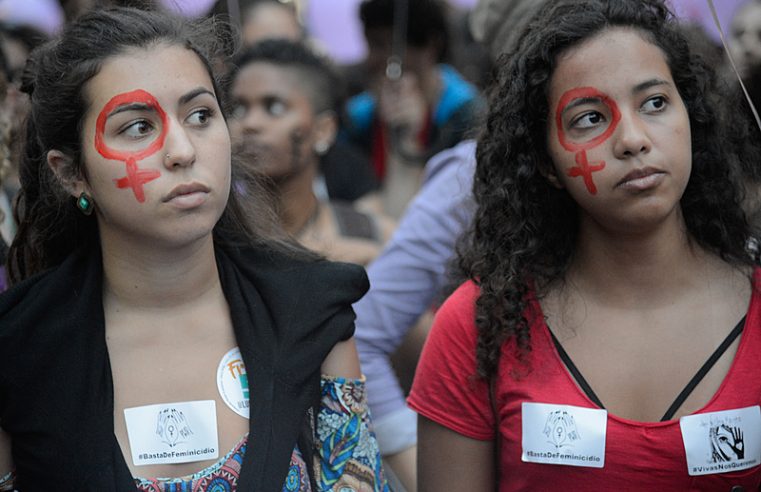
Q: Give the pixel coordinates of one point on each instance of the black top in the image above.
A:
(56, 390)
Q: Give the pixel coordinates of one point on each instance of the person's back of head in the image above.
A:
(497, 24)
(426, 21)
(270, 19)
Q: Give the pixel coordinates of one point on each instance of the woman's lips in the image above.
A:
(187, 195)
(641, 179)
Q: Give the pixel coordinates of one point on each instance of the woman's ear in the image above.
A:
(551, 175)
(325, 131)
(63, 167)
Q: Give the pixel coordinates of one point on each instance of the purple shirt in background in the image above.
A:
(405, 279)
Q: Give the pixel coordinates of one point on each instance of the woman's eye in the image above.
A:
(138, 129)
(200, 117)
(654, 104)
(587, 120)
(276, 108)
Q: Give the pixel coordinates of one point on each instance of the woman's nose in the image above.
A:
(180, 151)
(631, 137)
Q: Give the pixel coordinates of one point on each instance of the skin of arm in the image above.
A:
(343, 361)
(6, 464)
(451, 461)
(404, 465)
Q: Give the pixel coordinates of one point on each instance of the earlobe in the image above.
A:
(550, 174)
(63, 167)
(552, 177)
(326, 128)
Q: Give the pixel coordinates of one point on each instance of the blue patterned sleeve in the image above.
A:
(347, 454)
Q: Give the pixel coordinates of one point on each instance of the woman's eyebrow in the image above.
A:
(642, 86)
(135, 106)
(195, 93)
(580, 102)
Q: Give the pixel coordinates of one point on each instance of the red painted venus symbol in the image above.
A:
(136, 177)
(584, 169)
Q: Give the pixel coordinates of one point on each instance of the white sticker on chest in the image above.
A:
(232, 382)
(182, 432)
(563, 435)
(722, 442)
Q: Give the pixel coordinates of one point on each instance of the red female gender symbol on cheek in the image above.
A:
(135, 177)
(584, 169)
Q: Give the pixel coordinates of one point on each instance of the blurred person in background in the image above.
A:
(16, 42)
(269, 19)
(412, 273)
(745, 36)
(745, 47)
(405, 118)
(344, 171)
(283, 118)
(6, 217)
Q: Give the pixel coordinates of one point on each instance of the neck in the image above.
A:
(637, 267)
(137, 275)
(298, 204)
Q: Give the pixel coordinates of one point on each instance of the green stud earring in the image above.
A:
(85, 204)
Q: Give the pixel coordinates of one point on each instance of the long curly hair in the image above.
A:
(525, 230)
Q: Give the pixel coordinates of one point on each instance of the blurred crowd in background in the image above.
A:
(341, 103)
(370, 164)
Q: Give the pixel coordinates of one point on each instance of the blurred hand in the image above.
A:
(403, 109)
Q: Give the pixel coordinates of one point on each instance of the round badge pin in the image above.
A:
(232, 382)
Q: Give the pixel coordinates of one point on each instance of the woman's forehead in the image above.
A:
(162, 70)
(613, 59)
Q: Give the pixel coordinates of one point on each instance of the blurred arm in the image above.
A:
(404, 280)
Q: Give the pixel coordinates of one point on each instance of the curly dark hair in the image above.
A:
(50, 226)
(525, 230)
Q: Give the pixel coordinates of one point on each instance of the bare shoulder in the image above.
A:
(730, 284)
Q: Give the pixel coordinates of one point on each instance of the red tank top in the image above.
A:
(637, 455)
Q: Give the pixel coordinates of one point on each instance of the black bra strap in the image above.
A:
(575, 371)
(704, 370)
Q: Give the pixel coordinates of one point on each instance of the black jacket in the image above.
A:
(56, 391)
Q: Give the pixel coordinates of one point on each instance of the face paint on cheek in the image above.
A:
(136, 177)
(297, 138)
(584, 169)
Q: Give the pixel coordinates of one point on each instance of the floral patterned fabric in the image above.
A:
(346, 455)
(6, 482)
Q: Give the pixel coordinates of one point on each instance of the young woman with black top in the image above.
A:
(159, 334)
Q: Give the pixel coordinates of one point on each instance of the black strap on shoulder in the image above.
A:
(575, 371)
(704, 370)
